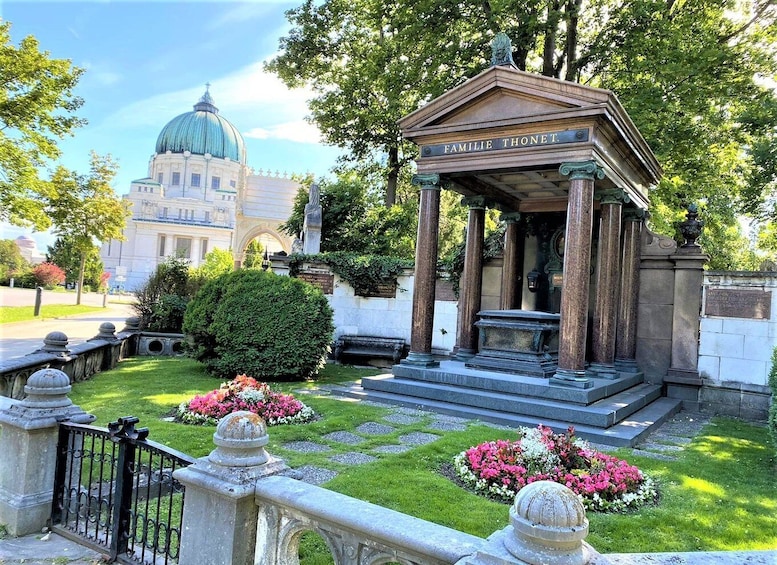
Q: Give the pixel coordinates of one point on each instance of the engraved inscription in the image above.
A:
(324, 281)
(739, 303)
(500, 143)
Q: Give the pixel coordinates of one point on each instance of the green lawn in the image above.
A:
(720, 494)
(10, 314)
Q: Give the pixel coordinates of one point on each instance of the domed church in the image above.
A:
(199, 194)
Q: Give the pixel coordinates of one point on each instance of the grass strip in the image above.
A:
(9, 314)
(719, 495)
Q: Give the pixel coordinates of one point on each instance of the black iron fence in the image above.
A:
(115, 491)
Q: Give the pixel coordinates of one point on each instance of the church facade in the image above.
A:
(198, 195)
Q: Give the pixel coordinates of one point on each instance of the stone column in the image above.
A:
(577, 267)
(512, 263)
(28, 442)
(472, 279)
(626, 339)
(425, 272)
(220, 515)
(607, 275)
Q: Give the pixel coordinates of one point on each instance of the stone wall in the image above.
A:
(737, 337)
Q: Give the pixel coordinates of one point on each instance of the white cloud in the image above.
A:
(299, 131)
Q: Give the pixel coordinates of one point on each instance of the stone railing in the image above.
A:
(79, 362)
(242, 506)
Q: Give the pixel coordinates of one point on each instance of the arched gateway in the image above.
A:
(541, 150)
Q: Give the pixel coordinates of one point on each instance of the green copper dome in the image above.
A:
(202, 131)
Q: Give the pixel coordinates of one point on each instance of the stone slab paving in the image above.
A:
(306, 447)
(403, 419)
(375, 429)
(315, 475)
(444, 426)
(672, 437)
(353, 458)
(402, 448)
(418, 438)
(344, 437)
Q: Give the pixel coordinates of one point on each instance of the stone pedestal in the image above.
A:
(28, 442)
(517, 341)
(220, 516)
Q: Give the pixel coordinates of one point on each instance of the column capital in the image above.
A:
(635, 215)
(612, 196)
(582, 170)
(478, 202)
(428, 181)
(510, 217)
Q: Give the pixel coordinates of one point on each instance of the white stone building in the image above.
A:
(198, 195)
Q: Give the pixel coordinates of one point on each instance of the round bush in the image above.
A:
(258, 323)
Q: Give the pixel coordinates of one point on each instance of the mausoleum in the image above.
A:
(580, 334)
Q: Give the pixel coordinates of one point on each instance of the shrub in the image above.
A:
(772, 422)
(161, 301)
(501, 468)
(258, 323)
(245, 393)
(48, 275)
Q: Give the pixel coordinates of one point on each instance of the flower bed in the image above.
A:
(244, 393)
(500, 469)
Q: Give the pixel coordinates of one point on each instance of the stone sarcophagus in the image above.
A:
(517, 341)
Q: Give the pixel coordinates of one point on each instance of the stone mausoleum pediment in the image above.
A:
(504, 133)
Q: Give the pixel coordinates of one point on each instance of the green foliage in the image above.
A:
(217, 262)
(365, 273)
(772, 422)
(68, 257)
(37, 107)
(161, 301)
(254, 255)
(260, 324)
(452, 266)
(85, 209)
(12, 263)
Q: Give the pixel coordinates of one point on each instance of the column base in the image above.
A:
(570, 378)
(602, 371)
(464, 354)
(420, 360)
(626, 365)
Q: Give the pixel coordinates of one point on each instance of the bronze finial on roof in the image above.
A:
(501, 50)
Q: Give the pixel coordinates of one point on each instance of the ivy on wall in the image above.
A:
(365, 273)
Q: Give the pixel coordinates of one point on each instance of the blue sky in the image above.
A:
(147, 62)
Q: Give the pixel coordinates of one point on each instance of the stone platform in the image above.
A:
(612, 412)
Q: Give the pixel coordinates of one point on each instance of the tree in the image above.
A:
(254, 255)
(37, 107)
(85, 209)
(687, 74)
(48, 275)
(217, 262)
(11, 260)
(66, 255)
(686, 71)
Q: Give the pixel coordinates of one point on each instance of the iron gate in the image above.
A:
(114, 491)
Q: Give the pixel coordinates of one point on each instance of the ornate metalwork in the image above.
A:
(691, 228)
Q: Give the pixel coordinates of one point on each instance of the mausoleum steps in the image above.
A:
(602, 413)
(626, 433)
(614, 412)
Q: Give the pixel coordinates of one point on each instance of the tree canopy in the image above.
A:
(66, 255)
(37, 107)
(690, 74)
(84, 209)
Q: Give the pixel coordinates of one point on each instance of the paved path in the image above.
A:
(21, 338)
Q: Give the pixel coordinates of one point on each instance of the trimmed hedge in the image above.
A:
(260, 324)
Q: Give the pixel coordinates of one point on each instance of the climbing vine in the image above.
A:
(365, 273)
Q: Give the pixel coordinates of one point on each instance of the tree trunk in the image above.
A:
(81, 270)
(573, 9)
(393, 175)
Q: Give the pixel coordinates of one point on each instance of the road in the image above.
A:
(21, 338)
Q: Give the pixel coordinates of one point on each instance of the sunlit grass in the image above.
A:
(9, 314)
(721, 493)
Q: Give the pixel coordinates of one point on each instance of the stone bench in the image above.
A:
(369, 346)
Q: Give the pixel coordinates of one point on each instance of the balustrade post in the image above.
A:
(28, 442)
(220, 517)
